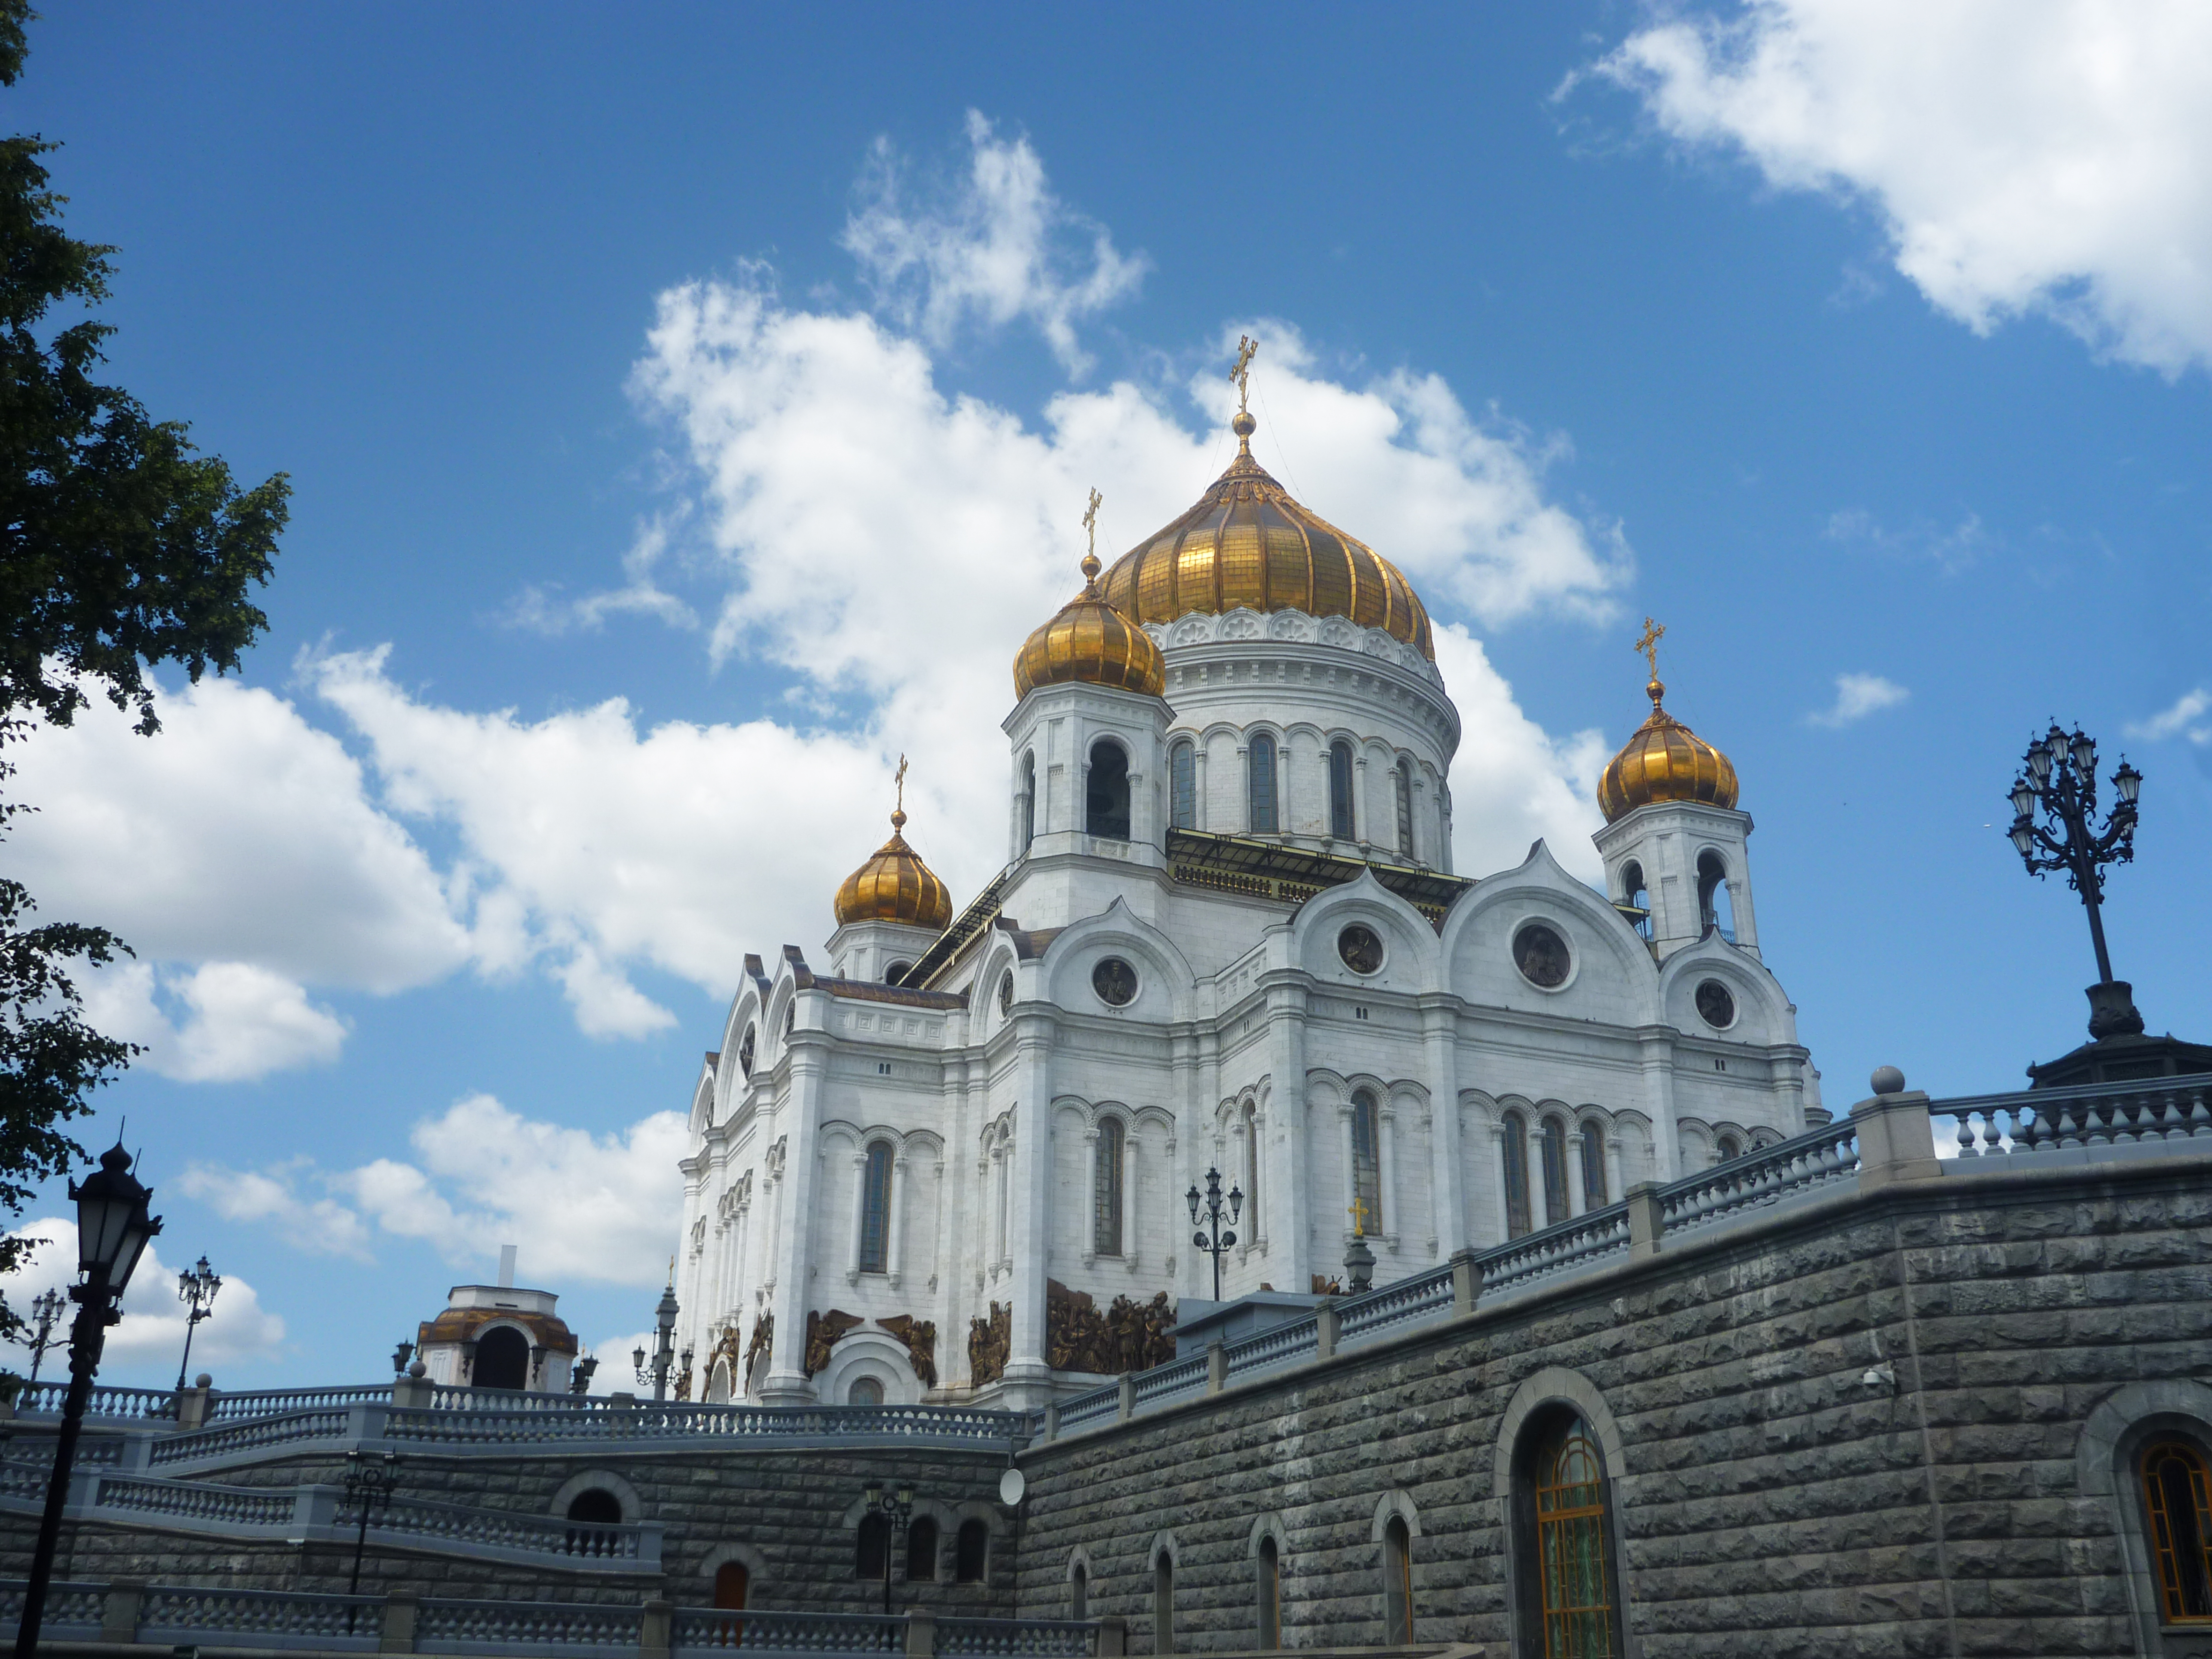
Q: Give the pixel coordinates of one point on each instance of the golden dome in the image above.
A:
(1248, 544)
(1092, 640)
(895, 885)
(1664, 761)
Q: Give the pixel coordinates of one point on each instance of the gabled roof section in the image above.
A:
(1292, 875)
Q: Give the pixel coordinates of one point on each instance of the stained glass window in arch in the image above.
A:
(1262, 760)
(1106, 1189)
(1340, 790)
(1570, 1546)
(1182, 786)
(1403, 776)
(1594, 1188)
(2178, 1511)
(876, 1209)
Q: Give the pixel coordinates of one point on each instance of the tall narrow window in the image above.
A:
(1340, 790)
(1576, 1584)
(872, 1553)
(1029, 800)
(1636, 897)
(1714, 910)
(1404, 784)
(1555, 1171)
(876, 1210)
(1513, 1152)
(1262, 762)
(1106, 1189)
(1163, 1603)
(1366, 1163)
(1078, 1592)
(1106, 799)
(921, 1551)
(1270, 1587)
(1251, 1139)
(1397, 1583)
(1182, 786)
(2179, 1514)
(971, 1551)
(1593, 1192)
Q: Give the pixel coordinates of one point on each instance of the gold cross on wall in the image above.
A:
(1246, 347)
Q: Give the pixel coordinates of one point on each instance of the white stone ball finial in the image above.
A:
(1887, 1080)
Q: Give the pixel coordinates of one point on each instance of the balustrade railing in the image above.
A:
(1163, 1382)
(172, 1615)
(2167, 1109)
(418, 1518)
(44, 1399)
(72, 1609)
(1764, 1177)
(1278, 1345)
(253, 1435)
(186, 1500)
(1017, 1638)
(583, 1628)
(1573, 1243)
(272, 1402)
(1420, 1297)
(720, 1630)
(1079, 1411)
(652, 1420)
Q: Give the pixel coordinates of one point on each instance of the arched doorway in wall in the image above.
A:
(1106, 791)
(502, 1359)
(731, 1580)
(1567, 1577)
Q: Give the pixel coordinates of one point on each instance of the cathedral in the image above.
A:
(958, 1157)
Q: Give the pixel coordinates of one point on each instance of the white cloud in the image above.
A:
(152, 1332)
(1858, 696)
(1000, 247)
(1950, 551)
(2185, 716)
(1511, 783)
(240, 1022)
(2024, 155)
(579, 1206)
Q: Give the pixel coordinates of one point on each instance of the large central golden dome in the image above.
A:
(1248, 544)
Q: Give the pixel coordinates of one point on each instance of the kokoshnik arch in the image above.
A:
(1229, 935)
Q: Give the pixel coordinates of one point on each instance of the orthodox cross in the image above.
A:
(899, 779)
(1246, 346)
(1359, 1213)
(1090, 520)
(1648, 645)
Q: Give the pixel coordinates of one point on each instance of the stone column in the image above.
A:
(1504, 1199)
(1286, 1054)
(895, 1246)
(860, 1215)
(786, 1383)
(1130, 1184)
(1089, 1249)
(1028, 1376)
(1532, 1156)
(1349, 1194)
(1198, 782)
(1447, 1202)
(1616, 1186)
(1658, 1065)
(1577, 1202)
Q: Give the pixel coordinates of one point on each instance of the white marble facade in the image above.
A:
(994, 1093)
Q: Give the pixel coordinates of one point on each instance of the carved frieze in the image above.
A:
(823, 1332)
(1126, 1337)
(989, 1342)
(919, 1338)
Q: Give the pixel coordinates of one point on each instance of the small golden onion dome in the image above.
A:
(1247, 545)
(1092, 640)
(895, 886)
(1664, 761)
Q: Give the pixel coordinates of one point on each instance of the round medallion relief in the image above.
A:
(1116, 982)
(1541, 955)
(746, 1053)
(1715, 1006)
(1361, 949)
(1005, 994)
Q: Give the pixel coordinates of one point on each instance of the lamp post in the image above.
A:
(663, 1346)
(46, 1314)
(897, 1509)
(2054, 804)
(369, 1483)
(1210, 1238)
(112, 1228)
(579, 1380)
(400, 1355)
(196, 1286)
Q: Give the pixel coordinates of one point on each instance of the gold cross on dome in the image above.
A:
(1246, 347)
(899, 778)
(1648, 645)
(1359, 1213)
(1090, 519)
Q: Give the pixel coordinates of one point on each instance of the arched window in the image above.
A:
(1555, 1171)
(596, 1504)
(1251, 1139)
(971, 1552)
(1162, 1603)
(1106, 1189)
(1714, 910)
(2178, 1512)
(1366, 1163)
(1403, 783)
(1078, 1591)
(1029, 800)
(1513, 1153)
(898, 971)
(1269, 1574)
(1182, 785)
(864, 1391)
(921, 1551)
(1397, 1583)
(1106, 794)
(1340, 790)
(1727, 1147)
(1262, 760)
(502, 1359)
(731, 1580)
(1594, 1189)
(872, 1551)
(1574, 1578)
(876, 1209)
(1636, 897)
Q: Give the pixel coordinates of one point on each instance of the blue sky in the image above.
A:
(689, 410)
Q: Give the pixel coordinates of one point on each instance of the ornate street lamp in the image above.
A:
(664, 1344)
(1210, 1238)
(113, 1229)
(897, 1509)
(46, 1314)
(579, 1380)
(196, 1286)
(400, 1355)
(369, 1483)
(2054, 804)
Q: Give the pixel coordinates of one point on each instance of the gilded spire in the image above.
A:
(898, 810)
(1090, 567)
(1648, 647)
(1244, 426)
